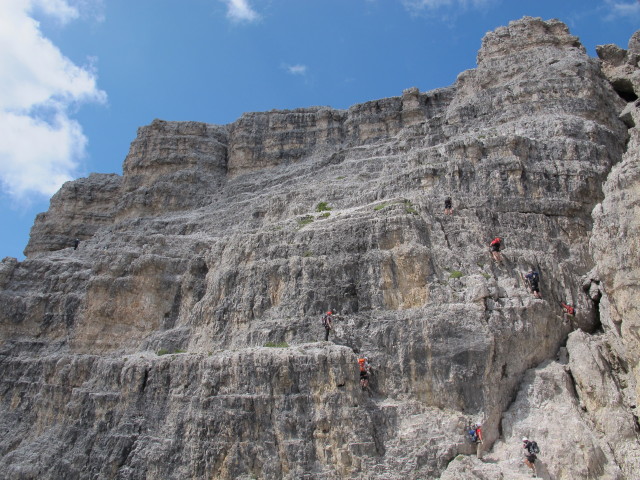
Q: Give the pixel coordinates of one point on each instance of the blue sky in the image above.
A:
(78, 77)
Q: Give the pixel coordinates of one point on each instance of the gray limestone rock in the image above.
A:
(621, 67)
(547, 411)
(183, 337)
(77, 211)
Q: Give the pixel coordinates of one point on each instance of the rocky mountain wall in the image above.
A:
(182, 338)
(78, 210)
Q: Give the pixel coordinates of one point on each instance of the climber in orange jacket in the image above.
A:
(365, 369)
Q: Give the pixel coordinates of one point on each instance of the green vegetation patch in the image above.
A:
(323, 207)
(164, 351)
(306, 220)
(324, 215)
(408, 207)
(455, 274)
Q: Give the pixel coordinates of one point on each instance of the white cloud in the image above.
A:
(240, 11)
(297, 69)
(420, 6)
(40, 144)
(620, 9)
(59, 9)
(38, 156)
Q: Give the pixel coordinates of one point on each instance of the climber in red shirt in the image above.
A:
(568, 309)
(495, 246)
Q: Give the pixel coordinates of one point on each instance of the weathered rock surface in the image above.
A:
(546, 408)
(621, 67)
(220, 240)
(77, 211)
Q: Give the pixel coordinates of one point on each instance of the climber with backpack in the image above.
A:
(327, 323)
(531, 450)
(474, 433)
(568, 309)
(448, 206)
(533, 281)
(495, 246)
(365, 370)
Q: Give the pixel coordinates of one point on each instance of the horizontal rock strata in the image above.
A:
(182, 338)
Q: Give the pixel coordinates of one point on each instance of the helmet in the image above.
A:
(330, 312)
(524, 439)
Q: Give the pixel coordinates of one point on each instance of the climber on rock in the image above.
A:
(448, 206)
(533, 281)
(495, 246)
(365, 370)
(475, 433)
(530, 451)
(567, 310)
(327, 323)
(76, 242)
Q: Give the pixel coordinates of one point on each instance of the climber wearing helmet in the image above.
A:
(568, 309)
(365, 368)
(533, 280)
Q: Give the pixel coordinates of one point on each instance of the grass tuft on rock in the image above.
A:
(323, 207)
(408, 208)
(164, 351)
(306, 220)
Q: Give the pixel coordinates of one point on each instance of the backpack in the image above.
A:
(532, 278)
(363, 364)
(533, 447)
(325, 320)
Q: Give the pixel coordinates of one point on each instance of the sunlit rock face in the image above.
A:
(182, 338)
(77, 211)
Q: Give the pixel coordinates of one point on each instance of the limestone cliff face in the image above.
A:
(172, 166)
(77, 211)
(219, 241)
